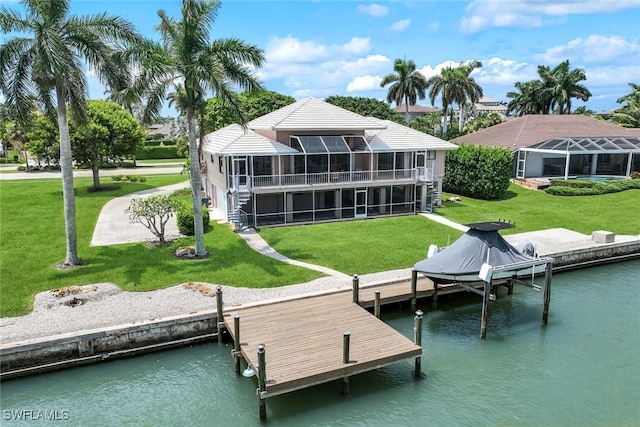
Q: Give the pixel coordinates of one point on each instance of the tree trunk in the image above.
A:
(196, 182)
(95, 169)
(445, 117)
(66, 167)
(406, 109)
(460, 120)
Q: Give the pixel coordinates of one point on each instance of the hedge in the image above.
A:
(605, 187)
(166, 152)
(478, 172)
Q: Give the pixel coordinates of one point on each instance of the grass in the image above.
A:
(390, 243)
(33, 242)
(537, 210)
(360, 247)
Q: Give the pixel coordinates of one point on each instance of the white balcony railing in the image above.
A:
(289, 180)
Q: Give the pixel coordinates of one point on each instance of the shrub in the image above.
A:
(478, 172)
(128, 164)
(185, 219)
(166, 152)
(605, 187)
(575, 183)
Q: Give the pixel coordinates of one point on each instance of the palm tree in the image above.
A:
(187, 55)
(408, 86)
(529, 99)
(465, 87)
(561, 84)
(442, 85)
(179, 98)
(50, 64)
(629, 114)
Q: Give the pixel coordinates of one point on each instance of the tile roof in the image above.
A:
(233, 139)
(398, 138)
(416, 109)
(531, 129)
(311, 114)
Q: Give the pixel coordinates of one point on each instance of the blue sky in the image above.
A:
(322, 48)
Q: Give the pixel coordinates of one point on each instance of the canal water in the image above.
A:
(583, 369)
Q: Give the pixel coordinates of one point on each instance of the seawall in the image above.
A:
(84, 347)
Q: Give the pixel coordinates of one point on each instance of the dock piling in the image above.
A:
(346, 341)
(262, 382)
(547, 293)
(376, 306)
(236, 344)
(417, 340)
(356, 289)
(485, 310)
(414, 289)
(219, 318)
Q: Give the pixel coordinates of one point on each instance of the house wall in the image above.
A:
(214, 182)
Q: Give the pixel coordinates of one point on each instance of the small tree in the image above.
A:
(154, 213)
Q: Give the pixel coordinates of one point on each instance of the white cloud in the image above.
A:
(480, 14)
(291, 49)
(374, 10)
(400, 25)
(593, 49)
(504, 72)
(363, 83)
(321, 70)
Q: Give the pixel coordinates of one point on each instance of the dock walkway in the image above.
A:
(303, 340)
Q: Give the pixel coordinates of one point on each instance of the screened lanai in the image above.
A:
(580, 157)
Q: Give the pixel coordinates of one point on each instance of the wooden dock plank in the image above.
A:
(303, 340)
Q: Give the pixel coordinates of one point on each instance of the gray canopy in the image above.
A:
(462, 260)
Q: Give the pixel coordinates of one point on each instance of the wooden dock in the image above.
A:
(304, 340)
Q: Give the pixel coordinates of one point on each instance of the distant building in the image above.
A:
(415, 110)
(563, 145)
(163, 129)
(490, 105)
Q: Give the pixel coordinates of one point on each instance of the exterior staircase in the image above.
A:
(237, 217)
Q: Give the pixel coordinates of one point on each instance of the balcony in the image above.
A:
(333, 178)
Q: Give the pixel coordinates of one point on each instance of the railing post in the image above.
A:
(356, 289)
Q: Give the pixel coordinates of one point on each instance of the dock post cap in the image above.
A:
(419, 313)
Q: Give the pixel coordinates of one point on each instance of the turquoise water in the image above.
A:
(581, 370)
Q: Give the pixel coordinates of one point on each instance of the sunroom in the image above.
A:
(587, 158)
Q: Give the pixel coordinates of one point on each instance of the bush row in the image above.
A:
(166, 152)
(159, 142)
(613, 186)
(575, 183)
(128, 178)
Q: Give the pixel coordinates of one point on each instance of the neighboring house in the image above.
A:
(312, 161)
(163, 129)
(415, 110)
(563, 145)
(490, 105)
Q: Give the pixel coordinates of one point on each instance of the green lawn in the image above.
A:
(390, 243)
(536, 210)
(33, 241)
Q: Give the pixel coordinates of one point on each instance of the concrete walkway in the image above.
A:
(444, 221)
(114, 227)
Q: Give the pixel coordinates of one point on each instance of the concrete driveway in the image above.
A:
(114, 227)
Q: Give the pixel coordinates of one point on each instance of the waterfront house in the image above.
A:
(312, 161)
(563, 146)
